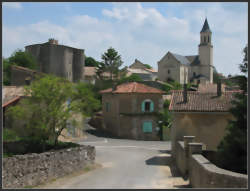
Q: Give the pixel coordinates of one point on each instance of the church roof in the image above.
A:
(181, 59)
(194, 60)
(205, 27)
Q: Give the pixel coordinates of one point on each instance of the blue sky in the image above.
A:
(146, 31)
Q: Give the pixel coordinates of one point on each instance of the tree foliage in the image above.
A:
(18, 58)
(91, 62)
(131, 78)
(232, 151)
(44, 111)
(147, 66)
(111, 61)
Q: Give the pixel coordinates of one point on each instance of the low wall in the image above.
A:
(204, 174)
(33, 169)
(201, 172)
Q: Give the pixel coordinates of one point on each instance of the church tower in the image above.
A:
(206, 52)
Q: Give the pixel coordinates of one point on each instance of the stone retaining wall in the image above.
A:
(33, 169)
(200, 171)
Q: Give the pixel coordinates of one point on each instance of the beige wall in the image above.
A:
(168, 62)
(208, 128)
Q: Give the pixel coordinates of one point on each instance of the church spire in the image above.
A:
(205, 27)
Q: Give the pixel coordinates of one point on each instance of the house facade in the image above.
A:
(195, 68)
(130, 111)
(204, 115)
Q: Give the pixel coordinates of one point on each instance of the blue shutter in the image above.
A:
(143, 106)
(147, 127)
(151, 106)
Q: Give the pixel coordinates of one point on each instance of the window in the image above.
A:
(147, 106)
(168, 71)
(194, 74)
(107, 107)
(147, 127)
(204, 39)
(208, 38)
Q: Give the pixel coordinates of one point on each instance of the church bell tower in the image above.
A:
(206, 52)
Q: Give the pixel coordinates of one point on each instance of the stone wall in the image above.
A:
(200, 171)
(33, 169)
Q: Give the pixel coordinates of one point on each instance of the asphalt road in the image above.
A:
(126, 164)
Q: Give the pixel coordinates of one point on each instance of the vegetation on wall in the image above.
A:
(232, 151)
(18, 58)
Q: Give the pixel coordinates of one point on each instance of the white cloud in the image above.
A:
(138, 32)
(12, 5)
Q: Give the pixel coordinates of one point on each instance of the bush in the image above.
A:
(10, 135)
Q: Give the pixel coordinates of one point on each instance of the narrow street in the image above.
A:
(126, 164)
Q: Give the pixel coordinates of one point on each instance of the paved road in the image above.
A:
(126, 164)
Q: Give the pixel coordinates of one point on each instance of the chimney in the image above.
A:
(185, 93)
(219, 88)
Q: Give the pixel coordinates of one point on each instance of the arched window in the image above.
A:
(147, 106)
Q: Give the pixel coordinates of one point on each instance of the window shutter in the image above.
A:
(143, 106)
(151, 106)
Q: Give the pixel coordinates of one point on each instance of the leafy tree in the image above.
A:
(19, 58)
(232, 151)
(44, 111)
(131, 78)
(89, 61)
(165, 117)
(86, 98)
(148, 66)
(111, 61)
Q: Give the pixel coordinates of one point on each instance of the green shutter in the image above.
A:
(143, 106)
(147, 127)
(151, 106)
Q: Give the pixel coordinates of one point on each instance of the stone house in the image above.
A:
(204, 115)
(60, 60)
(196, 68)
(141, 70)
(130, 111)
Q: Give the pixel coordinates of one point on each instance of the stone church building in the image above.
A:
(196, 68)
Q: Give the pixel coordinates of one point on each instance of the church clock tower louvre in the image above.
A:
(206, 52)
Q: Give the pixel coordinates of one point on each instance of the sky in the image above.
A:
(143, 31)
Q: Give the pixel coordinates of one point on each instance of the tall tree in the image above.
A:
(232, 151)
(18, 58)
(89, 61)
(111, 61)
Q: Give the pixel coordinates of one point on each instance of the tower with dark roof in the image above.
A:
(206, 52)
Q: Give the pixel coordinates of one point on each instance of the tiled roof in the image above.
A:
(194, 60)
(11, 93)
(133, 87)
(201, 102)
(151, 70)
(25, 69)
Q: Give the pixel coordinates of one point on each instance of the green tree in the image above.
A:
(44, 111)
(147, 66)
(131, 78)
(18, 58)
(232, 151)
(87, 98)
(89, 61)
(111, 61)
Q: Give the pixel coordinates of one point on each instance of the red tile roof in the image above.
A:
(133, 87)
(11, 94)
(201, 102)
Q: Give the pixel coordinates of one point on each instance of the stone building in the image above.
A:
(201, 114)
(130, 111)
(141, 70)
(60, 60)
(195, 68)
